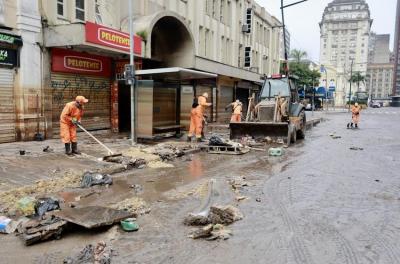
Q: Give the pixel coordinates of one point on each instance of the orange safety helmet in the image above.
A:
(81, 99)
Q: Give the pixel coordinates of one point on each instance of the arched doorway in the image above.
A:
(171, 43)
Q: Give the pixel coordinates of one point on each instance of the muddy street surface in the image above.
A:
(332, 198)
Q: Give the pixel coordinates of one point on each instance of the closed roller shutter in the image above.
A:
(7, 106)
(225, 97)
(65, 87)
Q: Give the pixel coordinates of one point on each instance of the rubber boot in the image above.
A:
(351, 125)
(75, 148)
(356, 126)
(68, 150)
(348, 125)
(189, 139)
(200, 140)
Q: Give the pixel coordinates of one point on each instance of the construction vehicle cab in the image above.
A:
(279, 113)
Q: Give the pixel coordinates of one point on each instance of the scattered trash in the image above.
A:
(92, 216)
(212, 232)
(90, 179)
(44, 205)
(224, 214)
(101, 254)
(289, 178)
(22, 152)
(35, 231)
(258, 200)
(268, 140)
(333, 136)
(238, 183)
(26, 205)
(241, 198)
(218, 141)
(377, 180)
(47, 149)
(137, 188)
(129, 225)
(130, 163)
(356, 148)
(4, 224)
(280, 141)
(275, 152)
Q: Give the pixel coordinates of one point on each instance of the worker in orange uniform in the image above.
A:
(355, 115)
(197, 116)
(237, 109)
(69, 119)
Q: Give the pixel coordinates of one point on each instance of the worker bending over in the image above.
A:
(237, 109)
(69, 119)
(197, 116)
(355, 115)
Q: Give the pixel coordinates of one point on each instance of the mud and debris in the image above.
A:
(99, 254)
(356, 148)
(90, 179)
(44, 205)
(134, 205)
(211, 232)
(128, 162)
(41, 229)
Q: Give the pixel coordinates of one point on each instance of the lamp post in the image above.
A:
(351, 80)
(132, 81)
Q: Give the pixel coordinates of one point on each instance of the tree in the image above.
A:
(306, 76)
(357, 78)
(298, 55)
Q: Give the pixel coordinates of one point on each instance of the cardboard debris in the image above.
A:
(100, 254)
(92, 216)
(34, 231)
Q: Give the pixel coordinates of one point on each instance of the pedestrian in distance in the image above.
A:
(197, 117)
(355, 116)
(237, 108)
(70, 118)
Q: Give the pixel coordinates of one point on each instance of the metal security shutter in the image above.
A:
(65, 87)
(7, 106)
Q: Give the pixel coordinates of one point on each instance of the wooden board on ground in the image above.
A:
(93, 216)
(225, 150)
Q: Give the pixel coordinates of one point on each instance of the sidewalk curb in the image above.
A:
(311, 123)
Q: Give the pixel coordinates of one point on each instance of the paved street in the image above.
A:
(320, 203)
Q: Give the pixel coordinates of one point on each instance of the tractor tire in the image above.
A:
(301, 133)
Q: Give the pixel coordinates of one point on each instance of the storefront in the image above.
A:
(76, 73)
(9, 57)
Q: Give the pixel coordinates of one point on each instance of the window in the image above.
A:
(97, 11)
(80, 10)
(60, 7)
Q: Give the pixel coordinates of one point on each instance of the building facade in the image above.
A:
(282, 45)
(81, 47)
(379, 78)
(396, 74)
(345, 30)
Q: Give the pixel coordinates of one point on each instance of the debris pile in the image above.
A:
(167, 152)
(99, 254)
(238, 183)
(214, 222)
(90, 179)
(135, 205)
(44, 205)
(334, 136)
(128, 162)
(356, 148)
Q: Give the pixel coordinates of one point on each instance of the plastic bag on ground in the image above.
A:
(90, 179)
(217, 141)
(44, 205)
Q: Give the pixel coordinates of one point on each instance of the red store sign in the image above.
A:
(69, 61)
(112, 38)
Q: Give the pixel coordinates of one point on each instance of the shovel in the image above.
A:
(110, 152)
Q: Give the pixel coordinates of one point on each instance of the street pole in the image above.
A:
(351, 77)
(132, 83)
(284, 30)
(326, 85)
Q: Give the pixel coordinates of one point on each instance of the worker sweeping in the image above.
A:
(355, 115)
(197, 117)
(69, 119)
(237, 109)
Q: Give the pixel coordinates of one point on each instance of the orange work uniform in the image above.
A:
(67, 128)
(237, 112)
(355, 110)
(196, 117)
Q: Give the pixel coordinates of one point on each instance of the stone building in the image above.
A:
(396, 74)
(185, 47)
(379, 79)
(345, 30)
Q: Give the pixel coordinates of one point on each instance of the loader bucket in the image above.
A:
(259, 130)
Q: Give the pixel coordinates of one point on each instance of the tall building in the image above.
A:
(379, 50)
(379, 78)
(345, 30)
(396, 50)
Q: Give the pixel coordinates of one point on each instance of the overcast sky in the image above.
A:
(302, 21)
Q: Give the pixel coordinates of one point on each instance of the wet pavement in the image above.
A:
(320, 203)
